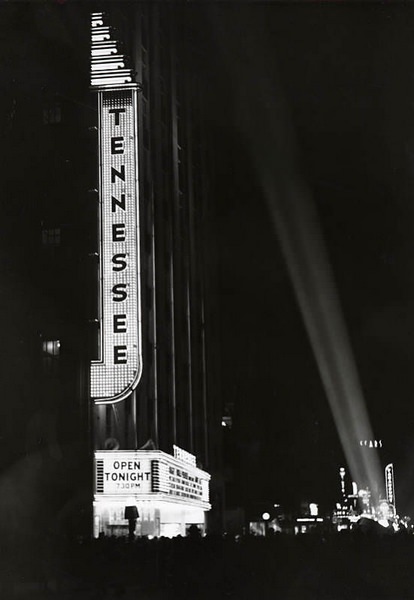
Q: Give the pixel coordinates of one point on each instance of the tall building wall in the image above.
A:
(45, 232)
(171, 400)
(49, 252)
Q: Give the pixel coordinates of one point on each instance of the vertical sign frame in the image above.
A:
(118, 370)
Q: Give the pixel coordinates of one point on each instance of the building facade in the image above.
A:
(47, 234)
(51, 257)
(169, 402)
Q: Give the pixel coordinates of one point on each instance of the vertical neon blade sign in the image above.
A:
(118, 370)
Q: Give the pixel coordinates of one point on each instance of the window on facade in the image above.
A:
(51, 347)
(50, 355)
(51, 237)
(52, 114)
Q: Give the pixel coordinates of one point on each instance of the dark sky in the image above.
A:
(334, 83)
(321, 95)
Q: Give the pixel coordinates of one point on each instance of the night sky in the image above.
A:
(325, 93)
(315, 97)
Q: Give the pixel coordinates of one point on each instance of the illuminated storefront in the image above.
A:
(169, 492)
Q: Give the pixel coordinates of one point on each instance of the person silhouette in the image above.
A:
(131, 514)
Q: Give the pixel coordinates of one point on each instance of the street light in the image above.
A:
(266, 517)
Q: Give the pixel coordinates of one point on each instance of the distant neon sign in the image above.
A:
(389, 483)
(119, 368)
(371, 443)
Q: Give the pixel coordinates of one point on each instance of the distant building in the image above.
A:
(359, 503)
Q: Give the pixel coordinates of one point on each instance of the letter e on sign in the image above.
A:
(118, 232)
(117, 145)
(120, 324)
(120, 355)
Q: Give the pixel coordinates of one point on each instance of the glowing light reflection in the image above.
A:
(263, 119)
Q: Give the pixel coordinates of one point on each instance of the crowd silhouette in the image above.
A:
(347, 565)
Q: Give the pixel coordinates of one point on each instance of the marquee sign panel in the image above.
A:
(150, 475)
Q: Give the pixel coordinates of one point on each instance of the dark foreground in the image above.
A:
(336, 567)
